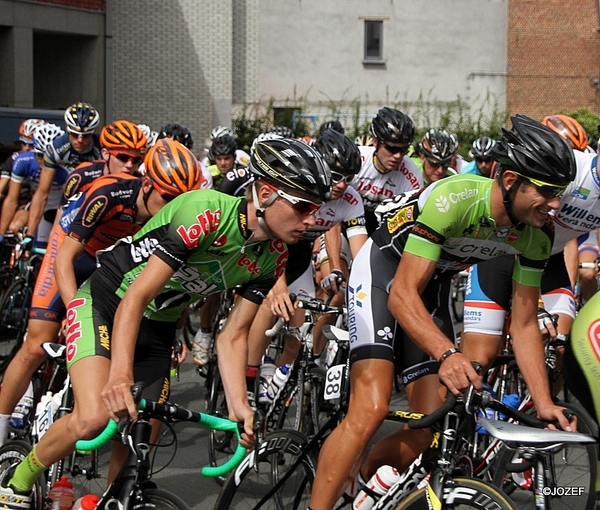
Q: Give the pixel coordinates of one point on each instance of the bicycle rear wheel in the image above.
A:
(11, 454)
(14, 313)
(465, 493)
(573, 467)
(280, 452)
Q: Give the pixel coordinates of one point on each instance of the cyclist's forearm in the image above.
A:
(9, 207)
(36, 210)
(333, 247)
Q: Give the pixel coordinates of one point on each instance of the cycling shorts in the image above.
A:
(374, 332)
(90, 320)
(489, 293)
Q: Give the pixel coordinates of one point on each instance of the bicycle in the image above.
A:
(133, 486)
(16, 301)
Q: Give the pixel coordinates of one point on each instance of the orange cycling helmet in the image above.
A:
(172, 167)
(567, 127)
(123, 135)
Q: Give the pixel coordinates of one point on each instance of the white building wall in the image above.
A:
(311, 52)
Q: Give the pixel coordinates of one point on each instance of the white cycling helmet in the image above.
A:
(44, 135)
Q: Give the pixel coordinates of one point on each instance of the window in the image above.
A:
(373, 41)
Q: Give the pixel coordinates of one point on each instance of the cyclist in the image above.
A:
(386, 170)
(79, 144)
(171, 171)
(424, 239)
(344, 207)
(221, 158)
(26, 130)
(120, 141)
(488, 292)
(483, 163)
(436, 150)
(335, 124)
(151, 136)
(26, 170)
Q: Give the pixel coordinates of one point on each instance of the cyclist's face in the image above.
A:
(432, 170)
(531, 207)
(390, 154)
(81, 143)
(122, 161)
(225, 163)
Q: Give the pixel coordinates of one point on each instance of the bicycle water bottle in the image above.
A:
(377, 486)
(20, 415)
(87, 502)
(62, 494)
(280, 377)
(511, 400)
(267, 370)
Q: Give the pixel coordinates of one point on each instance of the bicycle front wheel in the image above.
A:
(11, 454)
(462, 494)
(159, 499)
(282, 479)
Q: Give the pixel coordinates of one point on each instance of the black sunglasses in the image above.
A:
(395, 149)
(483, 160)
(437, 164)
(125, 158)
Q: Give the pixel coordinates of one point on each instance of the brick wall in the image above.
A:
(553, 50)
(94, 5)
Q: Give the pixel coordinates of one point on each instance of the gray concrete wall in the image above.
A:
(440, 49)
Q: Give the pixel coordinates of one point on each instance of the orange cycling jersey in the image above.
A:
(107, 213)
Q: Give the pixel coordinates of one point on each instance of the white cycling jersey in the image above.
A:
(579, 210)
(348, 209)
(374, 186)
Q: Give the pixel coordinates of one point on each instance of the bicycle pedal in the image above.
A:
(202, 371)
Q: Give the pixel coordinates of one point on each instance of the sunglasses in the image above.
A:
(126, 158)
(165, 196)
(80, 135)
(395, 149)
(300, 205)
(545, 189)
(436, 164)
(483, 160)
(338, 177)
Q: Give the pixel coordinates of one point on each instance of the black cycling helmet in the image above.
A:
(224, 145)
(339, 152)
(437, 144)
(536, 151)
(482, 147)
(292, 165)
(283, 131)
(177, 132)
(336, 125)
(390, 125)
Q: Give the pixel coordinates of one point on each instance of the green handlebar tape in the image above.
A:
(93, 444)
(230, 465)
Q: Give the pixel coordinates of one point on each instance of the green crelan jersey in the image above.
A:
(451, 223)
(203, 236)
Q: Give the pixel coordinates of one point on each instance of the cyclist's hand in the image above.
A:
(330, 282)
(243, 413)
(457, 374)
(118, 400)
(281, 304)
(556, 413)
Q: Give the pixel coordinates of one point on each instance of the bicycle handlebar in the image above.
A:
(173, 412)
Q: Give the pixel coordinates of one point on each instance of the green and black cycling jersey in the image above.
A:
(203, 236)
(450, 222)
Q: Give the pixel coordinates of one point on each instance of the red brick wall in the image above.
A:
(94, 5)
(553, 56)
